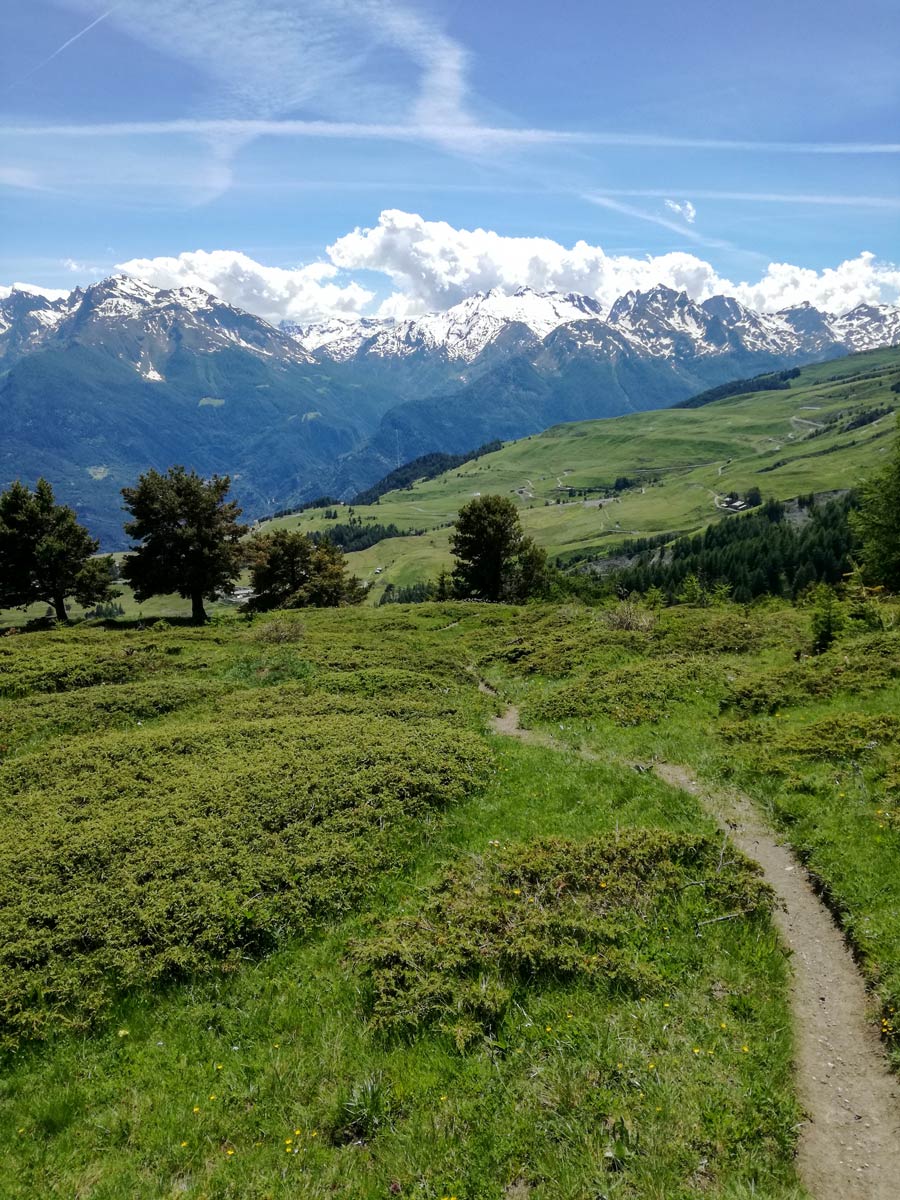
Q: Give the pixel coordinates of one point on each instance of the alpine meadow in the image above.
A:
(449, 600)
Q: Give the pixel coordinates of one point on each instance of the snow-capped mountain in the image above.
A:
(461, 332)
(138, 323)
(99, 385)
(660, 323)
(115, 378)
(868, 326)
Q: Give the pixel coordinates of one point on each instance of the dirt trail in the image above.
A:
(850, 1143)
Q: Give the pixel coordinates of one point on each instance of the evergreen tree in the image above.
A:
(189, 535)
(878, 523)
(828, 617)
(443, 586)
(692, 592)
(494, 559)
(290, 570)
(655, 598)
(46, 556)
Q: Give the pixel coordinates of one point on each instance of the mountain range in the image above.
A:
(112, 379)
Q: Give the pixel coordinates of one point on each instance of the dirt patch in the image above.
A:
(850, 1142)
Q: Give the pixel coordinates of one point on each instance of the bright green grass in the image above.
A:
(809, 744)
(697, 454)
(589, 1093)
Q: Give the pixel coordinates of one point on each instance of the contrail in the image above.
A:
(56, 53)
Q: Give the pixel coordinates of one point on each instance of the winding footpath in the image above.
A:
(849, 1146)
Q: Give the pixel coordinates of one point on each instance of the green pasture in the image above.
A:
(689, 459)
(280, 917)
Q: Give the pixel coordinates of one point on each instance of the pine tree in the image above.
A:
(692, 592)
(494, 559)
(46, 556)
(289, 570)
(828, 617)
(877, 523)
(189, 537)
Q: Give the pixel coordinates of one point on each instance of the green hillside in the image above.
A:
(786, 442)
(281, 916)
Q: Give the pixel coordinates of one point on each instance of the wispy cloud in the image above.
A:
(679, 227)
(834, 200)
(59, 49)
(464, 132)
(261, 60)
(20, 177)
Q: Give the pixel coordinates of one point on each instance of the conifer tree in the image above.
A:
(46, 556)
(878, 523)
(189, 537)
(494, 558)
(290, 570)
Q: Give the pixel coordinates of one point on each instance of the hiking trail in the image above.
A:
(849, 1146)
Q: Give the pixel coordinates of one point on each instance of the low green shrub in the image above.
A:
(707, 631)
(91, 709)
(860, 667)
(27, 665)
(134, 858)
(641, 693)
(612, 911)
(841, 736)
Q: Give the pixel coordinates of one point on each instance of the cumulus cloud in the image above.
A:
(431, 265)
(34, 290)
(860, 280)
(434, 265)
(684, 209)
(301, 294)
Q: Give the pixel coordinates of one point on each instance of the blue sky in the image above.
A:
(734, 136)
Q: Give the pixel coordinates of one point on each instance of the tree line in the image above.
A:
(760, 553)
(186, 539)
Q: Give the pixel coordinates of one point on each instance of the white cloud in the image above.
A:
(34, 290)
(684, 209)
(860, 280)
(258, 60)
(454, 131)
(432, 265)
(266, 57)
(302, 294)
(82, 268)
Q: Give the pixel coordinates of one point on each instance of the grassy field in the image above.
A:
(281, 918)
(688, 457)
(814, 740)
